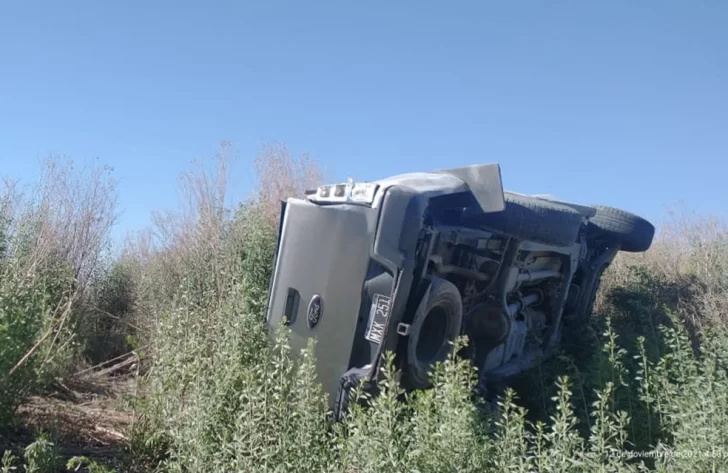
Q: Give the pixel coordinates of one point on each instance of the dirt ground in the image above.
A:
(84, 417)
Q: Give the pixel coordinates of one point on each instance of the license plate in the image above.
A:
(378, 316)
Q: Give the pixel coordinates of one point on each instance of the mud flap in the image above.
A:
(347, 384)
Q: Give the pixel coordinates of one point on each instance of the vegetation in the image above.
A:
(644, 387)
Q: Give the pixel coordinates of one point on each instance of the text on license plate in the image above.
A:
(378, 316)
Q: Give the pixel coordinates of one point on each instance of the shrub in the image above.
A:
(225, 396)
(51, 240)
(201, 288)
(108, 324)
(91, 466)
(34, 312)
(643, 386)
(687, 393)
(41, 456)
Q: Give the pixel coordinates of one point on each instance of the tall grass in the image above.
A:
(52, 237)
(225, 396)
(202, 281)
(643, 387)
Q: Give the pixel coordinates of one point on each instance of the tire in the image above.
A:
(634, 232)
(534, 219)
(435, 328)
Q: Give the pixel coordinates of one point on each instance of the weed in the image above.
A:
(643, 386)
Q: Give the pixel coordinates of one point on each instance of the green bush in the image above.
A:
(632, 394)
(108, 323)
(34, 336)
(642, 387)
(41, 456)
(687, 393)
(50, 244)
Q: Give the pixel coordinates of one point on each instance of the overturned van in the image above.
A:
(411, 262)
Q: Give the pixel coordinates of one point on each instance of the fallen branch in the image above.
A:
(131, 359)
(63, 318)
(90, 451)
(104, 363)
(70, 395)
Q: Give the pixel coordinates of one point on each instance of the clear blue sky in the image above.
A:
(621, 102)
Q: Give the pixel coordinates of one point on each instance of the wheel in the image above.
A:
(435, 328)
(533, 219)
(634, 232)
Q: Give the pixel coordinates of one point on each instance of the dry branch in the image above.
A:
(128, 361)
(104, 363)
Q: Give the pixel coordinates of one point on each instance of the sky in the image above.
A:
(619, 103)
